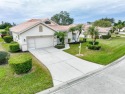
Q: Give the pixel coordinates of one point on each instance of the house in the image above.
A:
(39, 33)
(101, 30)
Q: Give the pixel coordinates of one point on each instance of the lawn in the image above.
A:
(1, 39)
(111, 50)
(36, 80)
(1, 30)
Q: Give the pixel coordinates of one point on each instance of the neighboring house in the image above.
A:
(39, 33)
(122, 30)
(104, 31)
(101, 30)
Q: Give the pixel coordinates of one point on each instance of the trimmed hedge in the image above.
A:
(21, 64)
(4, 56)
(69, 40)
(8, 39)
(76, 42)
(14, 47)
(59, 46)
(106, 36)
(94, 47)
(91, 42)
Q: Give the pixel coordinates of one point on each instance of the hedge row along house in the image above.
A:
(39, 33)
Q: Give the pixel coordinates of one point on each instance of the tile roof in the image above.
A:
(32, 22)
(60, 28)
(101, 29)
(25, 25)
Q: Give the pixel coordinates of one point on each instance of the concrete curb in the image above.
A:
(76, 80)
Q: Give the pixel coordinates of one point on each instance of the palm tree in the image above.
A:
(94, 33)
(79, 28)
(61, 36)
(72, 29)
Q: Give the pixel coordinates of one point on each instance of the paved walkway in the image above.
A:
(63, 66)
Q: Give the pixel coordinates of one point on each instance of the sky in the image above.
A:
(82, 11)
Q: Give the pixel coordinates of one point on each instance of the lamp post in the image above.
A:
(80, 46)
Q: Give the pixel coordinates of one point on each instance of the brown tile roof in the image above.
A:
(103, 30)
(60, 27)
(25, 25)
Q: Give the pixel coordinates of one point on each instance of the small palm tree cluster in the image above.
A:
(78, 28)
(93, 31)
(60, 36)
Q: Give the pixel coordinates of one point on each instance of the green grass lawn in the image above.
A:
(1, 40)
(1, 30)
(111, 50)
(36, 80)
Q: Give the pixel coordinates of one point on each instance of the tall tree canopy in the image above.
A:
(102, 23)
(112, 20)
(62, 18)
(6, 24)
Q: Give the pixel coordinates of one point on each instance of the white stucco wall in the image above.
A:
(70, 36)
(33, 32)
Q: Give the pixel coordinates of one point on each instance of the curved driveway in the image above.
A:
(63, 66)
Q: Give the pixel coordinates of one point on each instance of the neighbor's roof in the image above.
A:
(24, 26)
(101, 29)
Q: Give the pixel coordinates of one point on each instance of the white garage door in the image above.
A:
(39, 42)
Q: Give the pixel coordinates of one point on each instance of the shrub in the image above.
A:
(59, 46)
(21, 64)
(69, 40)
(8, 39)
(14, 47)
(75, 42)
(84, 39)
(3, 33)
(91, 42)
(4, 56)
(106, 36)
(93, 47)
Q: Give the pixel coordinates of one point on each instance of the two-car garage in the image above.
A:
(40, 42)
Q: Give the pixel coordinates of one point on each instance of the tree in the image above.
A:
(61, 36)
(73, 29)
(63, 18)
(79, 28)
(102, 23)
(119, 25)
(5, 24)
(7, 30)
(112, 20)
(94, 33)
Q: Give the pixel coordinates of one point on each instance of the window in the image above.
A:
(40, 28)
(47, 22)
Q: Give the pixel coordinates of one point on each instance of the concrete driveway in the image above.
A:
(63, 66)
